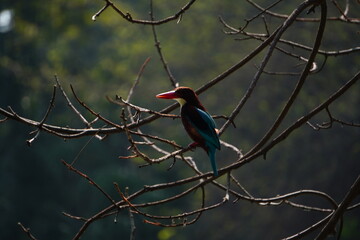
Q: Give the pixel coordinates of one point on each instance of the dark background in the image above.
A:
(102, 58)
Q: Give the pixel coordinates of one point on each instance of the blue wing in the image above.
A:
(205, 126)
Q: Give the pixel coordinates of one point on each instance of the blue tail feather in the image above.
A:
(211, 153)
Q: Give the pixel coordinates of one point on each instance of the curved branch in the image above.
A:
(283, 135)
(129, 18)
(278, 15)
(300, 82)
(353, 192)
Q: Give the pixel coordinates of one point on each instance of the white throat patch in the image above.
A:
(180, 100)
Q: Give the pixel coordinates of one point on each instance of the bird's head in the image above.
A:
(183, 95)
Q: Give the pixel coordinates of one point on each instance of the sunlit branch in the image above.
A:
(134, 125)
(27, 231)
(329, 124)
(121, 102)
(263, 36)
(301, 19)
(127, 16)
(41, 123)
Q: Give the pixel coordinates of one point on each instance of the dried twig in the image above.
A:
(134, 119)
(330, 225)
(173, 81)
(302, 78)
(77, 112)
(41, 123)
(70, 167)
(128, 16)
(27, 231)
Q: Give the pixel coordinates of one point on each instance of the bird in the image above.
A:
(197, 122)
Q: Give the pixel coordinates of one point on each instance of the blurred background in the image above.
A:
(39, 39)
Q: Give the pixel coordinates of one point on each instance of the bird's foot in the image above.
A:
(193, 145)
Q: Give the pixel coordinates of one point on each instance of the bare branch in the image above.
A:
(330, 225)
(274, 14)
(128, 17)
(41, 123)
(134, 124)
(141, 71)
(100, 11)
(77, 112)
(27, 231)
(70, 167)
(173, 81)
(301, 80)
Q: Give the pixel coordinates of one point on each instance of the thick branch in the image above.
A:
(300, 82)
(329, 227)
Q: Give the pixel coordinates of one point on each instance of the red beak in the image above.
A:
(168, 95)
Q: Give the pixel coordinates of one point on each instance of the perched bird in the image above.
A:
(197, 122)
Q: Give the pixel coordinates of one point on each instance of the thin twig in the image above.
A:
(41, 123)
(27, 231)
(100, 11)
(77, 112)
(74, 217)
(137, 80)
(302, 78)
(274, 39)
(128, 17)
(173, 81)
(92, 182)
(302, 19)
